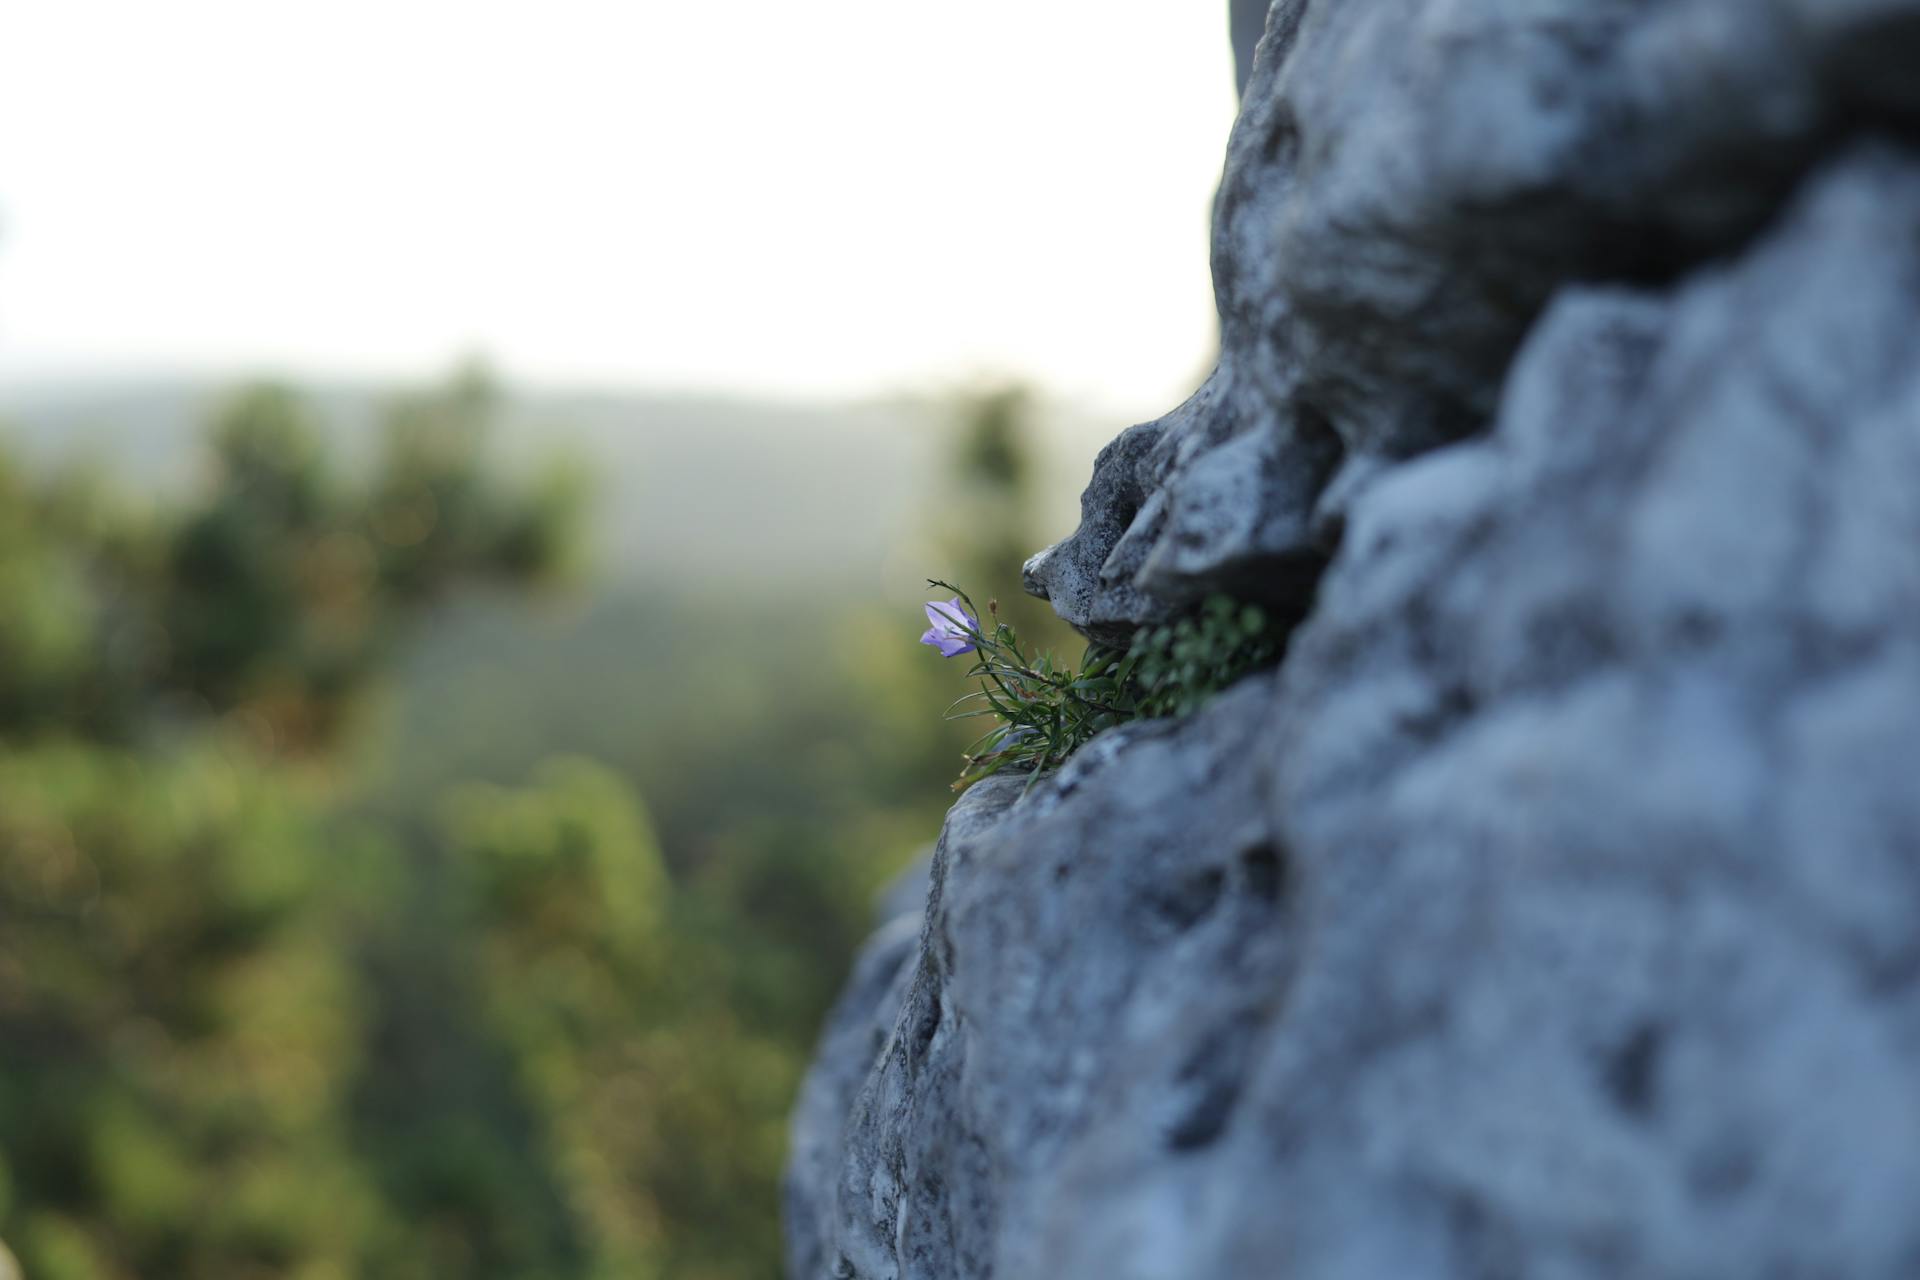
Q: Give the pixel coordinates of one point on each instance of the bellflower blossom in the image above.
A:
(948, 634)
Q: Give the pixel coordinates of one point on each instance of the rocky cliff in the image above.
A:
(1554, 909)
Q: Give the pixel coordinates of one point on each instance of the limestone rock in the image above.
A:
(1554, 910)
(1591, 773)
(1408, 184)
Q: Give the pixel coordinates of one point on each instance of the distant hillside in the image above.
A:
(689, 489)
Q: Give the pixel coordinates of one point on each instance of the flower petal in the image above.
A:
(951, 623)
(952, 613)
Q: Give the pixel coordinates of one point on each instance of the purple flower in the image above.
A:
(948, 633)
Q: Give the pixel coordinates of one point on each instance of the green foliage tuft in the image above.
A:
(1179, 666)
(1047, 711)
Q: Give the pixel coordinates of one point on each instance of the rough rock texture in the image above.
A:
(1409, 183)
(1554, 909)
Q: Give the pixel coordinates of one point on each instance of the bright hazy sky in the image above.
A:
(765, 197)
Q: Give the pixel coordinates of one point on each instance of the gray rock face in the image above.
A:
(1408, 184)
(1554, 910)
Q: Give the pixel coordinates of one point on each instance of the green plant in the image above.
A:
(1046, 711)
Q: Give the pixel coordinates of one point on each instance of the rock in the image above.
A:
(952, 1141)
(1592, 772)
(1408, 184)
(907, 894)
(1553, 911)
(855, 1033)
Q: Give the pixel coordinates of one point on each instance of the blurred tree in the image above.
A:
(179, 1012)
(177, 1020)
(279, 590)
(280, 1001)
(284, 589)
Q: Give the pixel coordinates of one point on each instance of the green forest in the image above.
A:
(387, 889)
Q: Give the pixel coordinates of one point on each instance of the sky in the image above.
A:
(773, 199)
